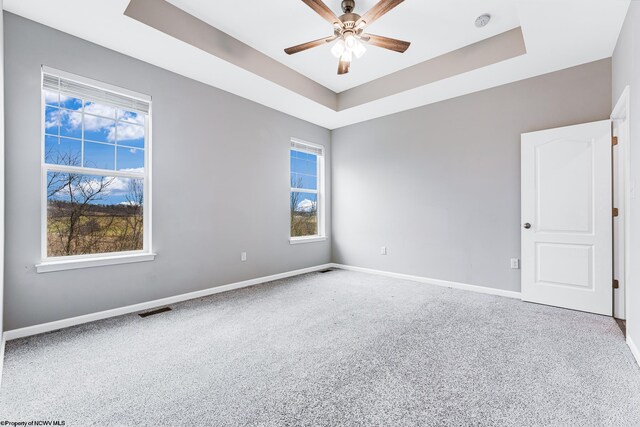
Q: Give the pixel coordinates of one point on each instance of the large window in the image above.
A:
(307, 191)
(95, 169)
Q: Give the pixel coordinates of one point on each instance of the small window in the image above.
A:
(95, 169)
(307, 191)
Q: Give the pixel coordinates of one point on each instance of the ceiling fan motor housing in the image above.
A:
(349, 20)
(348, 6)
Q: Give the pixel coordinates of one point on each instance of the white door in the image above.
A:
(567, 217)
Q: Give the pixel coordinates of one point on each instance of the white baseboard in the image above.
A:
(65, 323)
(437, 282)
(634, 350)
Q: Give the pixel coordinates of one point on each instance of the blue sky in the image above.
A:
(113, 139)
(304, 172)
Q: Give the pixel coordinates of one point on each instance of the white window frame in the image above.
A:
(298, 145)
(70, 262)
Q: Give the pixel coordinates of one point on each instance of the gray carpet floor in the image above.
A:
(340, 348)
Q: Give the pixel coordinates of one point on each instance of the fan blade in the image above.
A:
(309, 45)
(386, 42)
(323, 10)
(376, 12)
(343, 67)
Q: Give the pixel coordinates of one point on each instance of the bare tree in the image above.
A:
(78, 193)
(57, 181)
(131, 232)
(78, 223)
(303, 222)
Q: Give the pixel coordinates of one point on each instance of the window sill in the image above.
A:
(73, 264)
(299, 240)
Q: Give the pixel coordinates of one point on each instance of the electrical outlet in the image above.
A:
(383, 250)
(243, 256)
(515, 263)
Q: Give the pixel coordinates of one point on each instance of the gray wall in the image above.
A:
(220, 184)
(1, 179)
(440, 185)
(626, 72)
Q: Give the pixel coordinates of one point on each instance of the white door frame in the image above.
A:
(622, 200)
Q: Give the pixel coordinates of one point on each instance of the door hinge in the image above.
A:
(614, 140)
(616, 284)
(615, 212)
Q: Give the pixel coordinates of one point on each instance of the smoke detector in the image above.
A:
(483, 20)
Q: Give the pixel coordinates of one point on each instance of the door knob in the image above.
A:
(527, 225)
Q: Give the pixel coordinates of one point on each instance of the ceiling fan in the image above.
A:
(348, 29)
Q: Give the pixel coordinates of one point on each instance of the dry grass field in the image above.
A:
(94, 229)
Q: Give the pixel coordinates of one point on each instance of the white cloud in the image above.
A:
(52, 97)
(52, 119)
(92, 123)
(125, 131)
(306, 205)
(128, 116)
(100, 110)
(133, 170)
(128, 132)
(90, 186)
(118, 185)
(107, 186)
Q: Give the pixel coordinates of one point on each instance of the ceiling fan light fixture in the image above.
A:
(348, 30)
(359, 50)
(350, 41)
(338, 49)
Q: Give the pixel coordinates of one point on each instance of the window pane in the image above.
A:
(99, 129)
(51, 120)
(130, 116)
(130, 135)
(100, 110)
(308, 182)
(304, 215)
(70, 102)
(304, 163)
(99, 156)
(89, 214)
(51, 98)
(303, 156)
(62, 151)
(130, 159)
(70, 124)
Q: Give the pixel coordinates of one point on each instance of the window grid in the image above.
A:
(302, 147)
(143, 177)
(83, 139)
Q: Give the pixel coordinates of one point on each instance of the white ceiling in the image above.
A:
(433, 27)
(558, 34)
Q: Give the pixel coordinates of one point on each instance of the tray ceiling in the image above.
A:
(557, 34)
(433, 27)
